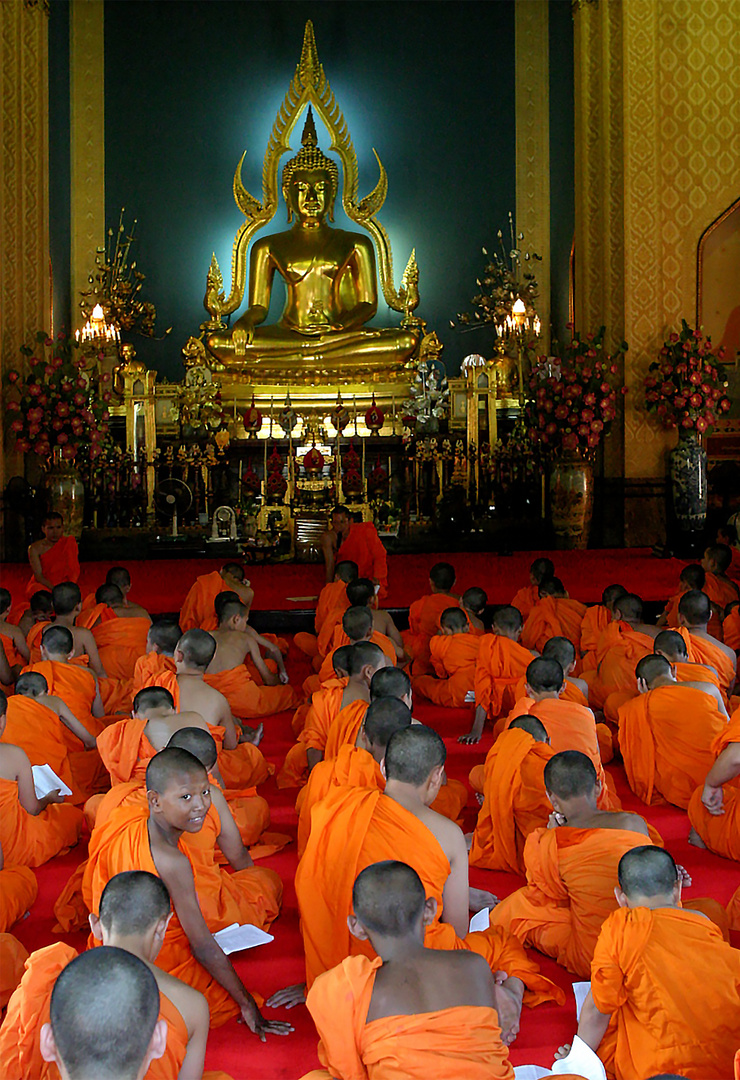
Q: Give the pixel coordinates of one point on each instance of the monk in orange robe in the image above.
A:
(364, 660)
(11, 638)
(562, 650)
(571, 867)
(332, 604)
(357, 542)
(204, 898)
(454, 655)
(719, 586)
(731, 627)
(693, 614)
(436, 1015)
(515, 802)
(595, 623)
(727, 535)
(356, 626)
(120, 641)
(18, 890)
(525, 599)
(554, 615)
(161, 641)
(714, 809)
(13, 957)
(691, 577)
(324, 706)
(32, 830)
(424, 616)
(666, 735)
(649, 951)
(198, 610)
(67, 601)
(626, 640)
(53, 559)
(474, 602)
(502, 661)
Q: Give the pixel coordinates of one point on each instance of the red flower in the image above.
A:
(17, 425)
(695, 378)
(597, 425)
(679, 401)
(724, 405)
(570, 442)
(673, 337)
(13, 406)
(549, 430)
(687, 422)
(696, 400)
(63, 409)
(42, 448)
(62, 438)
(593, 440)
(589, 399)
(79, 399)
(23, 445)
(587, 415)
(13, 376)
(561, 412)
(584, 429)
(34, 390)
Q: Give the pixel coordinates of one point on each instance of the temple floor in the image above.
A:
(280, 963)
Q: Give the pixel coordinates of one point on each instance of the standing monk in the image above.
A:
(359, 543)
(424, 616)
(53, 559)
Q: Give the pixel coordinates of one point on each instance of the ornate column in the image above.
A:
(87, 142)
(533, 142)
(25, 280)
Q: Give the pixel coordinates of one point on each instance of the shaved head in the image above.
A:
(561, 649)
(31, 684)
(388, 898)
(346, 570)
(197, 648)
(58, 640)
(118, 575)
(365, 654)
(652, 667)
(545, 676)
(551, 586)
(357, 622)
(442, 576)
(695, 607)
(542, 568)
(647, 871)
(570, 775)
(231, 608)
(41, 603)
(672, 646)
(233, 569)
(384, 718)
(413, 754)
(340, 659)
(455, 619)
(132, 902)
(475, 599)
(220, 600)
(612, 593)
(720, 555)
(508, 618)
(201, 744)
(629, 607)
(165, 634)
(360, 592)
(108, 594)
(168, 766)
(693, 575)
(390, 682)
(532, 725)
(66, 597)
(153, 697)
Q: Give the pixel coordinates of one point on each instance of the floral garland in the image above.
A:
(686, 387)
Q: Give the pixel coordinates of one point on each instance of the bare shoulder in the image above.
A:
(12, 759)
(188, 1001)
(190, 719)
(623, 819)
(449, 835)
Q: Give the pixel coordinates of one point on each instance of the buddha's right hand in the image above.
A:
(241, 339)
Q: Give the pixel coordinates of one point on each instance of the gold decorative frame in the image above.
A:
(733, 208)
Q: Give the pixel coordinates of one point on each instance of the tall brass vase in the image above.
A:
(571, 491)
(65, 493)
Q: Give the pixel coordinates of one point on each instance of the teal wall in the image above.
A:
(190, 86)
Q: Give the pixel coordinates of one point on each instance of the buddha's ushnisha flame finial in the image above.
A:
(309, 138)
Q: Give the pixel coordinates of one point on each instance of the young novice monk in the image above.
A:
(357, 625)
(364, 661)
(691, 577)
(694, 610)
(562, 650)
(361, 593)
(198, 611)
(595, 622)
(720, 588)
(454, 654)
(53, 559)
(161, 642)
(204, 898)
(571, 867)
(674, 646)
(67, 601)
(554, 615)
(120, 577)
(413, 1011)
(527, 597)
(331, 606)
(11, 637)
(40, 609)
(652, 951)
(134, 913)
(714, 809)
(626, 640)
(424, 616)
(32, 830)
(501, 663)
(473, 602)
(325, 703)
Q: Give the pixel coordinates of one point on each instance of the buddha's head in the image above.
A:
(310, 179)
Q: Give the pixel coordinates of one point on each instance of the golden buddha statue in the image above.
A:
(329, 274)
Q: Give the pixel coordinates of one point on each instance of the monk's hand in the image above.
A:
(642, 686)
(473, 736)
(481, 898)
(284, 677)
(288, 997)
(713, 799)
(468, 840)
(555, 819)
(256, 1022)
(562, 1052)
(684, 876)
(479, 798)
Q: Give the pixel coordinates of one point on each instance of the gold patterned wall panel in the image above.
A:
(87, 145)
(533, 142)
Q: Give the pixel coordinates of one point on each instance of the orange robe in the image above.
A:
(148, 667)
(364, 547)
(572, 692)
(514, 801)
(731, 629)
(331, 606)
(198, 611)
(345, 727)
(619, 650)
(501, 664)
(720, 591)
(570, 727)
(553, 616)
(326, 671)
(120, 643)
(424, 616)
(40, 732)
(571, 874)
(686, 672)
(702, 651)
(721, 833)
(457, 1042)
(94, 614)
(671, 614)
(18, 890)
(13, 956)
(60, 563)
(325, 705)
(355, 827)
(28, 1011)
(11, 653)
(525, 599)
(31, 841)
(671, 985)
(666, 738)
(246, 896)
(247, 699)
(454, 658)
(595, 622)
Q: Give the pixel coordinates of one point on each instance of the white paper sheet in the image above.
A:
(236, 938)
(580, 991)
(530, 1072)
(470, 697)
(481, 920)
(581, 1061)
(46, 780)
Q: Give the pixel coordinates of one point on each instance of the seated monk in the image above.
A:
(134, 912)
(666, 735)
(693, 614)
(357, 542)
(354, 827)
(714, 809)
(324, 705)
(356, 626)
(32, 830)
(674, 646)
(564, 651)
(719, 587)
(198, 611)
(515, 802)
(436, 1013)
(731, 627)
(6, 673)
(691, 577)
(527, 597)
(474, 602)
(361, 593)
(35, 721)
(727, 535)
(332, 604)
(161, 641)
(501, 663)
(364, 661)
(12, 639)
(121, 578)
(424, 616)
(595, 622)
(13, 957)
(53, 559)
(121, 640)
(67, 601)
(652, 951)
(18, 891)
(571, 866)
(454, 654)
(625, 641)
(569, 725)
(554, 615)
(204, 898)
(274, 648)
(40, 609)
(227, 672)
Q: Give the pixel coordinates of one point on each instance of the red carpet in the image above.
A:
(162, 584)
(271, 967)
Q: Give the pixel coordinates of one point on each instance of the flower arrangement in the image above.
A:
(506, 278)
(58, 403)
(686, 387)
(573, 399)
